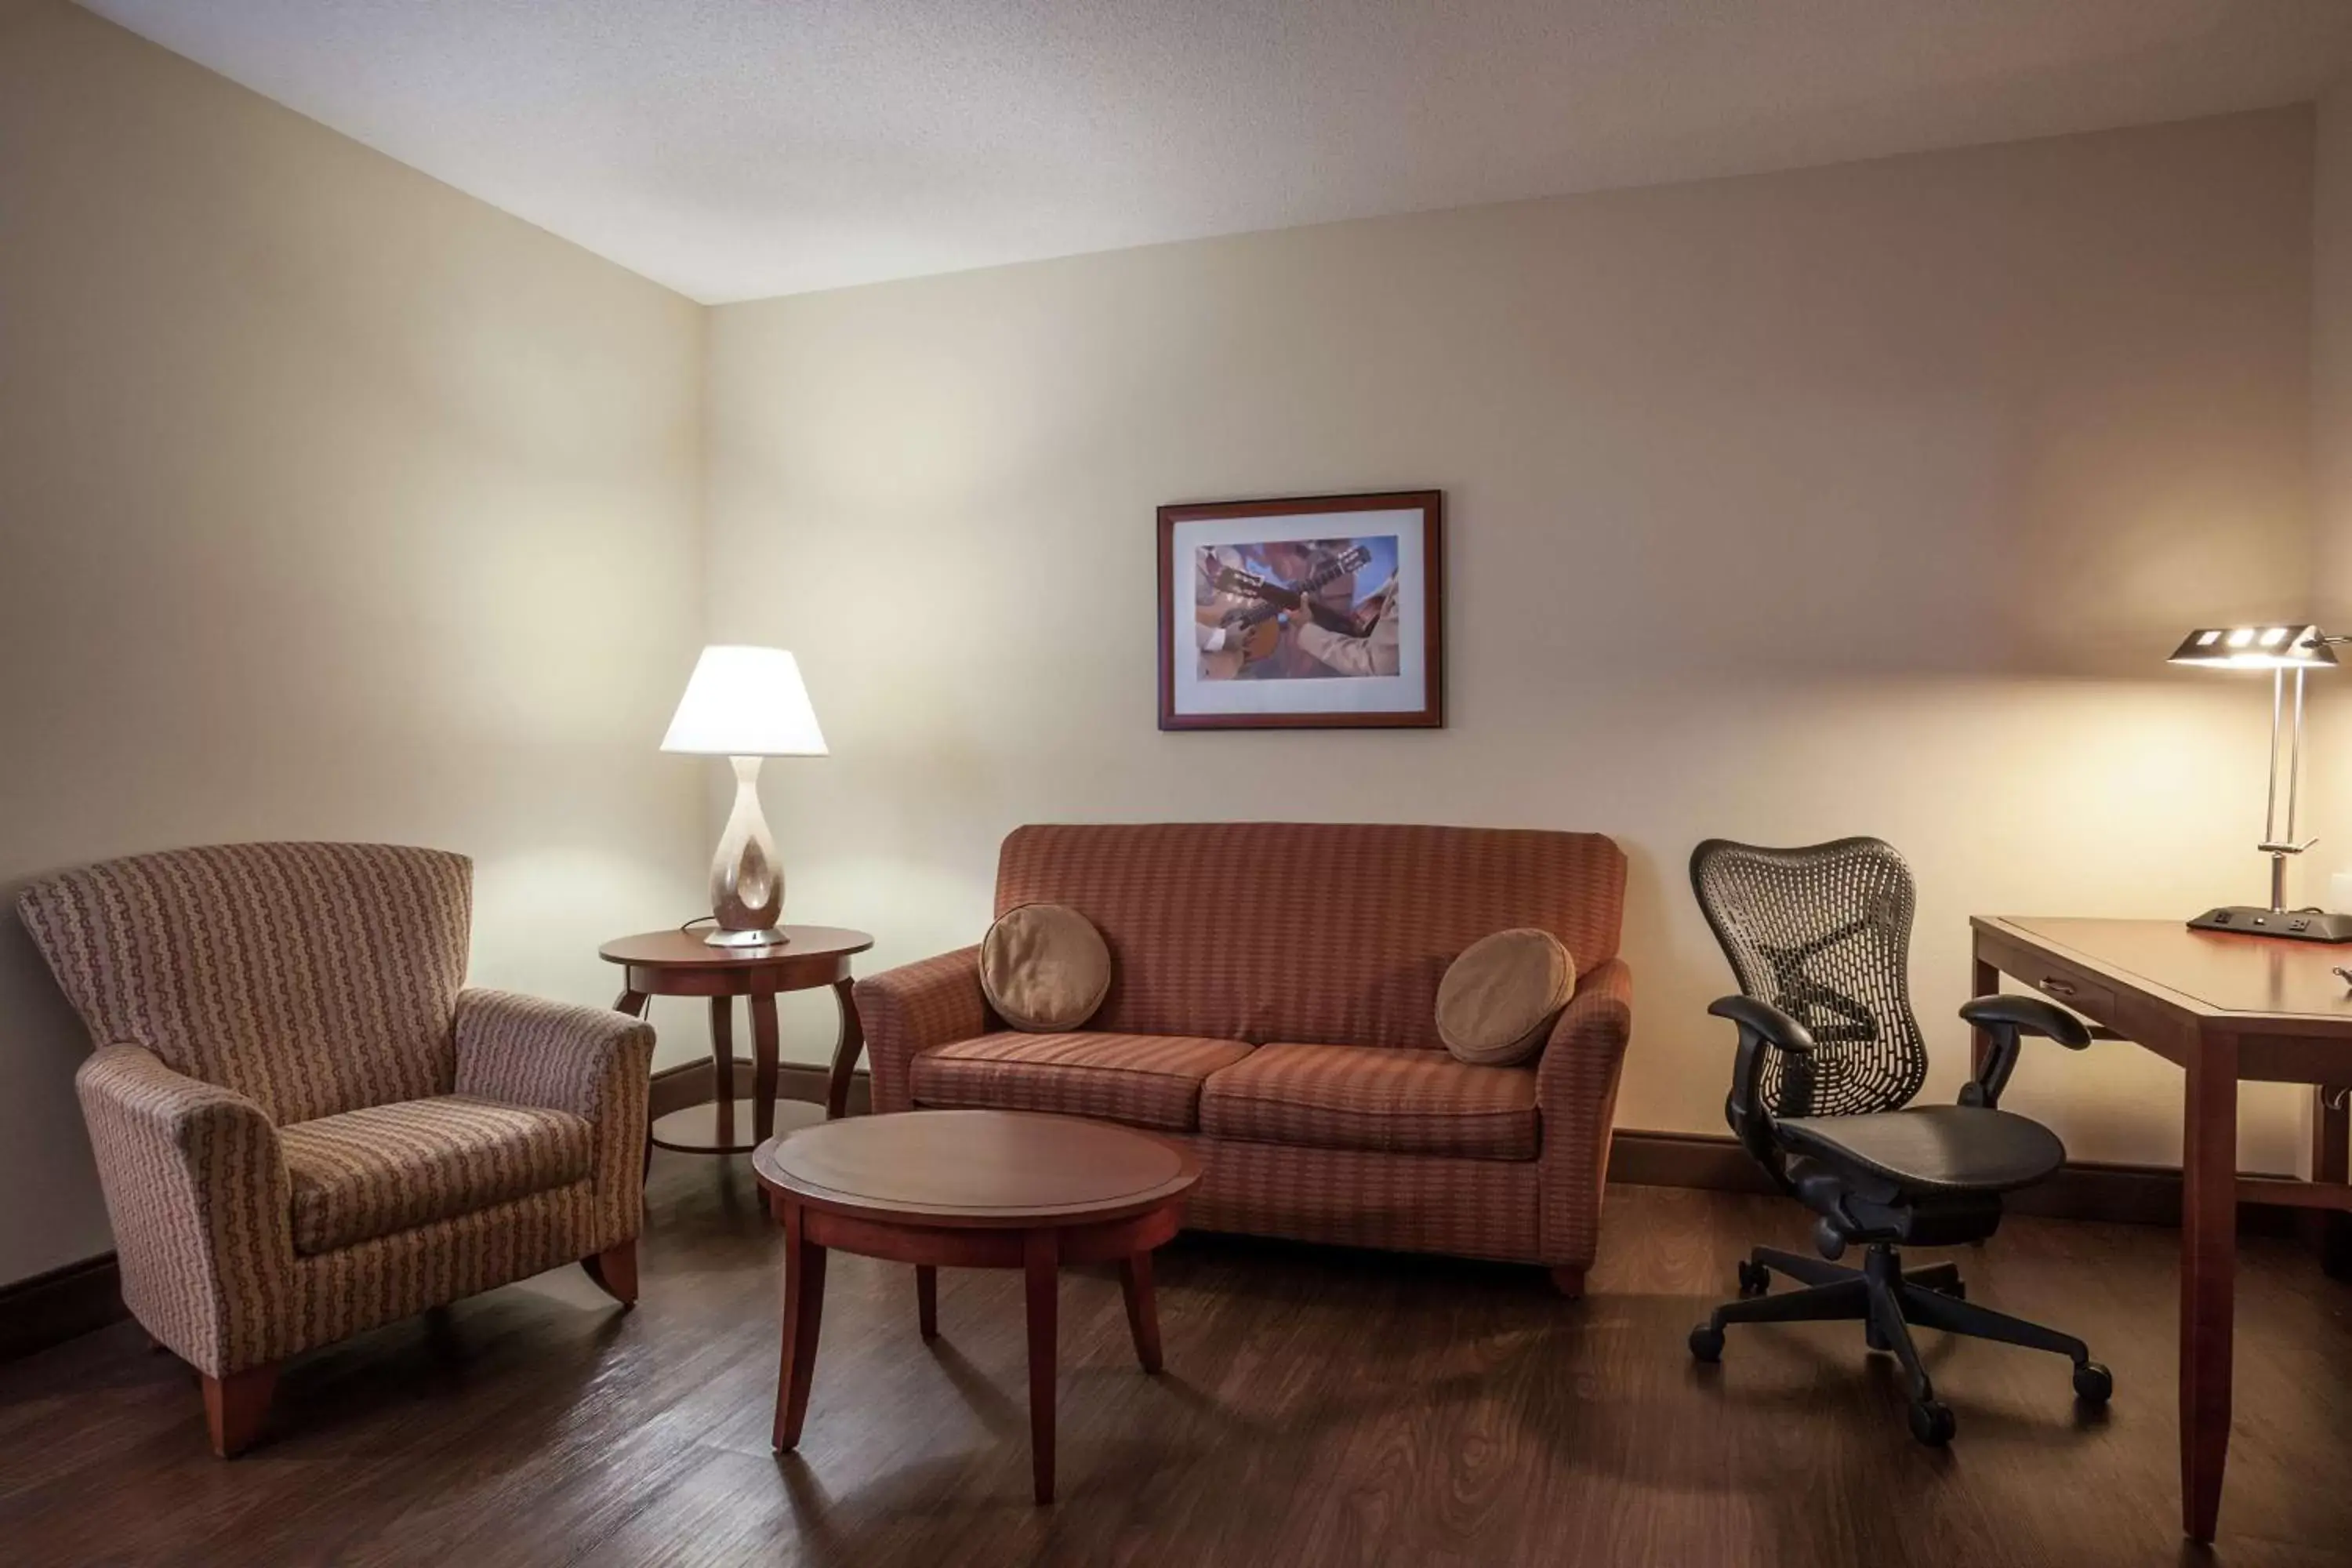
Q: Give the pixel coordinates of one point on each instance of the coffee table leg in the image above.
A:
(1142, 1312)
(927, 1300)
(804, 1307)
(1040, 1259)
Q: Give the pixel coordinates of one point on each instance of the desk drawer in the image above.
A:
(2070, 988)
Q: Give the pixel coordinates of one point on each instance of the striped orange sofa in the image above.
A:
(305, 1125)
(1273, 1004)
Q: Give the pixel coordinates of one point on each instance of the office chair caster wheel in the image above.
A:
(1707, 1342)
(2094, 1383)
(1932, 1422)
(1754, 1279)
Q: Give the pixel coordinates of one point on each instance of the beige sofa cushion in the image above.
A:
(1043, 967)
(1499, 998)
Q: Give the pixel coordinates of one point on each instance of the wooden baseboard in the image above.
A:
(2085, 1189)
(51, 1308)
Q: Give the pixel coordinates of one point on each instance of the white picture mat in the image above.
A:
(1402, 692)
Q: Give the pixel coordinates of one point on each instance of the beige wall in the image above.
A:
(333, 503)
(1864, 499)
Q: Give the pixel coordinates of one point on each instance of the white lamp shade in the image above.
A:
(745, 702)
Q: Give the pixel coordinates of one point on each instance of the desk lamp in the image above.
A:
(745, 703)
(2278, 649)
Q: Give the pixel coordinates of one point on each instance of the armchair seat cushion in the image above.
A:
(1374, 1098)
(1144, 1081)
(386, 1168)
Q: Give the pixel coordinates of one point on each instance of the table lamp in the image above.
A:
(2278, 649)
(745, 703)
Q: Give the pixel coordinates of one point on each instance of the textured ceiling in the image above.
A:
(735, 148)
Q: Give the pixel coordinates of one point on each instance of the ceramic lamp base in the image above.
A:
(747, 887)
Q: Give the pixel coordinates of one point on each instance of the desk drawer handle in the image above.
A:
(2057, 988)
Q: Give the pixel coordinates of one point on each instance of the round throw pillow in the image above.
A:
(1043, 967)
(1499, 999)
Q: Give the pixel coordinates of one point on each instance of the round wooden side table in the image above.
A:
(971, 1189)
(680, 964)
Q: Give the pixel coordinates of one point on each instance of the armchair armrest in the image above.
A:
(196, 1190)
(914, 1008)
(1576, 1098)
(594, 1063)
(1762, 1024)
(2007, 1019)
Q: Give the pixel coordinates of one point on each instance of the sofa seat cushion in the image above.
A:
(386, 1168)
(1373, 1098)
(1145, 1080)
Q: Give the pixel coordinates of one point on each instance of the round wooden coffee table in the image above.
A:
(971, 1189)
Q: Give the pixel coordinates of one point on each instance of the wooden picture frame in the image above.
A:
(1304, 613)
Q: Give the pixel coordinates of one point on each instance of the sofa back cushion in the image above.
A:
(312, 978)
(1308, 932)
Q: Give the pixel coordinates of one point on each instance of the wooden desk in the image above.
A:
(2226, 1008)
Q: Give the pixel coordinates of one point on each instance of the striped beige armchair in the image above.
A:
(304, 1127)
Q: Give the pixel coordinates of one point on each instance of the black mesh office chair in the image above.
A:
(1830, 1056)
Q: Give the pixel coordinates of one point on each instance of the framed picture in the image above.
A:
(1318, 612)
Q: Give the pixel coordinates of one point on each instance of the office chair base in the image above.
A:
(1888, 1301)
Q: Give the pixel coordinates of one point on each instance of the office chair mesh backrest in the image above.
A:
(1823, 934)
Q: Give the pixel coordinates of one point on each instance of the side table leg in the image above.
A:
(2209, 1246)
(1142, 1312)
(927, 1300)
(803, 1307)
(1984, 979)
(722, 1068)
(633, 1003)
(763, 1065)
(845, 1051)
(1040, 1260)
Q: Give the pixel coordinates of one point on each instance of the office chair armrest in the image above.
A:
(2007, 1020)
(1761, 1024)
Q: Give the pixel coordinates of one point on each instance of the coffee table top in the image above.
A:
(976, 1168)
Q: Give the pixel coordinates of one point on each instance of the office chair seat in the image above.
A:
(1931, 1148)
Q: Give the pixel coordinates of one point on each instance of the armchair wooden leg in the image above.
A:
(614, 1269)
(1569, 1281)
(236, 1405)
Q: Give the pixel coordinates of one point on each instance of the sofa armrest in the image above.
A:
(1576, 1094)
(591, 1061)
(915, 1008)
(196, 1190)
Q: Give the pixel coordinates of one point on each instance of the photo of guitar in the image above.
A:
(1253, 632)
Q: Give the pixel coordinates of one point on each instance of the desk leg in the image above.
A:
(763, 1065)
(2331, 1142)
(1984, 981)
(845, 1052)
(2208, 1247)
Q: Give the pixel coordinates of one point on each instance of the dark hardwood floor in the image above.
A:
(1317, 1407)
